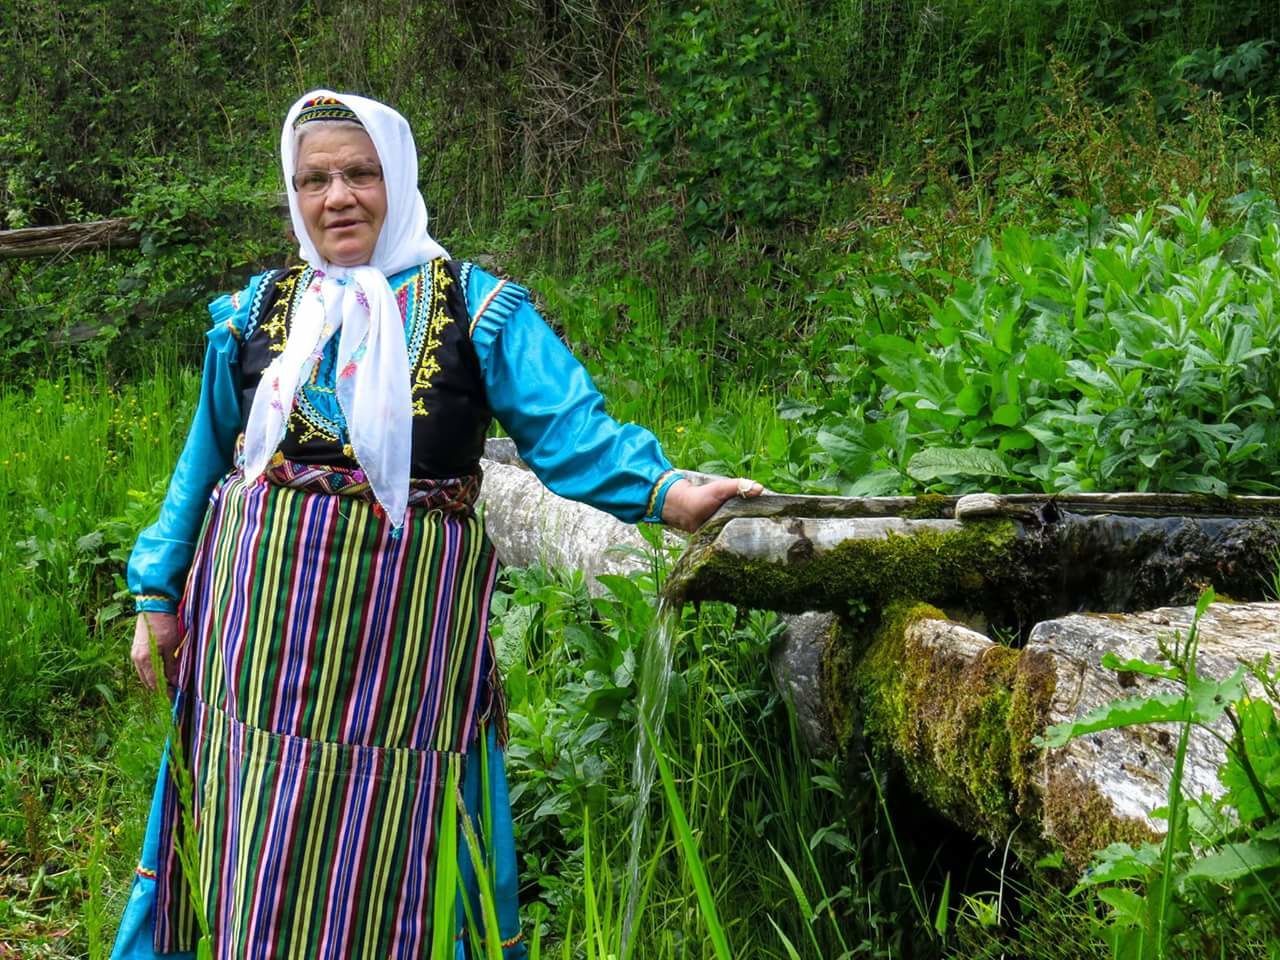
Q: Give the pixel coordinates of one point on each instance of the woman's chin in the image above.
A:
(348, 256)
(346, 246)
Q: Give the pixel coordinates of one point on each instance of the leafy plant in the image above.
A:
(1141, 362)
(734, 125)
(1210, 883)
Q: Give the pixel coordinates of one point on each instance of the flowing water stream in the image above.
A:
(655, 682)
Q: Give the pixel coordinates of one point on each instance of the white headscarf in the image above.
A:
(372, 388)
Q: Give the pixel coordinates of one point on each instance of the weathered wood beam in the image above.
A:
(1015, 569)
(68, 238)
(1011, 505)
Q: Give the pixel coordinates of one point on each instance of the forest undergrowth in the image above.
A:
(1007, 246)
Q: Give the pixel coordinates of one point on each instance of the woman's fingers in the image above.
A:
(162, 630)
(741, 487)
(688, 507)
(142, 665)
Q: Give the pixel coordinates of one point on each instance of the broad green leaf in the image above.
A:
(1204, 702)
(607, 702)
(1007, 415)
(982, 258)
(1235, 860)
(877, 483)
(1127, 907)
(886, 346)
(1190, 483)
(1157, 708)
(1044, 363)
(937, 462)
(847, 446)
(1210, 698)
(1112, 662)
(1260, 732)
(624, 589)
(971, 400)
(792, 409)
(1119, 861)
(1016, 440)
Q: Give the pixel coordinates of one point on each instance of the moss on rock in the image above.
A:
(1083, 821)
(960, 728)
(960, 565)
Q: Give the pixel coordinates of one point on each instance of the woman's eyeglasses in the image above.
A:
(357, 177)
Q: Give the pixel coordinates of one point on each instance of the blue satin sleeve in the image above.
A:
(545, 399)
(162, 555)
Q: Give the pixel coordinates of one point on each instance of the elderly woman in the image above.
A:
(333, 680)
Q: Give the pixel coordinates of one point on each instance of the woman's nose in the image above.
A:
(338, 194)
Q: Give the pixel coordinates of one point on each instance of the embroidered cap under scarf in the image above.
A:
(356, 304)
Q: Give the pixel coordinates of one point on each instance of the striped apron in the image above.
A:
(333, 677)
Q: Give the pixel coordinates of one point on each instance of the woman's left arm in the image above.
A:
(546, 401)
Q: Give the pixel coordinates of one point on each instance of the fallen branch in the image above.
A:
(67, 238)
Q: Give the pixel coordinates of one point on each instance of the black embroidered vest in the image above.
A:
(450, 409)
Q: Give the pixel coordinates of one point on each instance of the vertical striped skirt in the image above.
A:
(336, 687)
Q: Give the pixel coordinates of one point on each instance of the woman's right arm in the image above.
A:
(162, 555)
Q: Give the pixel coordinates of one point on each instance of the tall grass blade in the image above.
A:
(641, 900)
(444, 908)
(689, 846)
(942, 914)
(897, 849)
(802, 900)
(491, 936)
(187, 850)
(95, 879)
(792, 953)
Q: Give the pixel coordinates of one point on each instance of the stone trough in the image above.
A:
(961, 628)
(945, 634)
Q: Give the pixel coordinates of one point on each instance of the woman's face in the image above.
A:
(343, 222)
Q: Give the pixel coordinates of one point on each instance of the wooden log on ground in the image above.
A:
(1011, 505)
(67, 238)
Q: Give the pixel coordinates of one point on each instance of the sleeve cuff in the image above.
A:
(154, 603)
(658, 496)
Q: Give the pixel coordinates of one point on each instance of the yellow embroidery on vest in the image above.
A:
(438, 320)
(276, 325)
(304, 431)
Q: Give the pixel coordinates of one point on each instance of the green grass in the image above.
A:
(81, 744)
(78, 478)
(82, 471)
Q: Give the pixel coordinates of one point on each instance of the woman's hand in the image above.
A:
(687, 507)
(163, 628)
